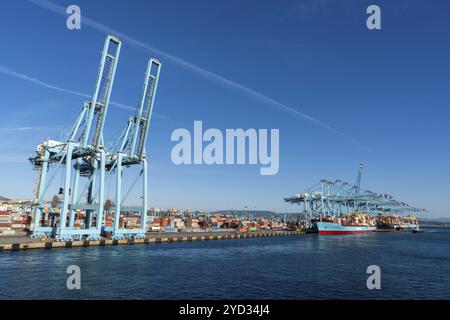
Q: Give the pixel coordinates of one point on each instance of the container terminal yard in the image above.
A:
(77, 211)
(77, 208)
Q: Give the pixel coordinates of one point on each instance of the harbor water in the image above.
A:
(413, 266)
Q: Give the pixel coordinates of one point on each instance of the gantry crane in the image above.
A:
(336, 198)
(86, 162)
(131, 151)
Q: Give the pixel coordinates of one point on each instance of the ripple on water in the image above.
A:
(413, 266)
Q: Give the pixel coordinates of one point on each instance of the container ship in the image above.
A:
(389, 222)
(410, 222)
(355, 222)
(395, 222)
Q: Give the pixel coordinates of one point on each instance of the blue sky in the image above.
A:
(388, 90)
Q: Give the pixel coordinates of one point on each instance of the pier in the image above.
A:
(25, 243)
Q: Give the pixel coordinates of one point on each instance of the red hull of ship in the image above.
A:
(343, 232)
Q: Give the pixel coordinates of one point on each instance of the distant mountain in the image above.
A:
(3, 199)
(442, 219)
(257, 213)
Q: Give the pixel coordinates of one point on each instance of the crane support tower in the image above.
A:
(132, 151)
(84, 162)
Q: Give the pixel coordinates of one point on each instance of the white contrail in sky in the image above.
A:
(8, 71)
(12, 73)
(196, 69)
(18, 129)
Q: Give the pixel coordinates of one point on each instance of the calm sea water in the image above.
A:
(413, 266)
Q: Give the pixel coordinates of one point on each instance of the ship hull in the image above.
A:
(388, 226)
(411, 226)
(331, 228)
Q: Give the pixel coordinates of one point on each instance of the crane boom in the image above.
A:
(145, 110)
(358, 179)
(98, 106)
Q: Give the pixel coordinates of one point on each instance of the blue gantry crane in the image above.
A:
(131, 151)
(337, 198)
(86, 162)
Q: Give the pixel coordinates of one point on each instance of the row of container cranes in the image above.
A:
(337, 198)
